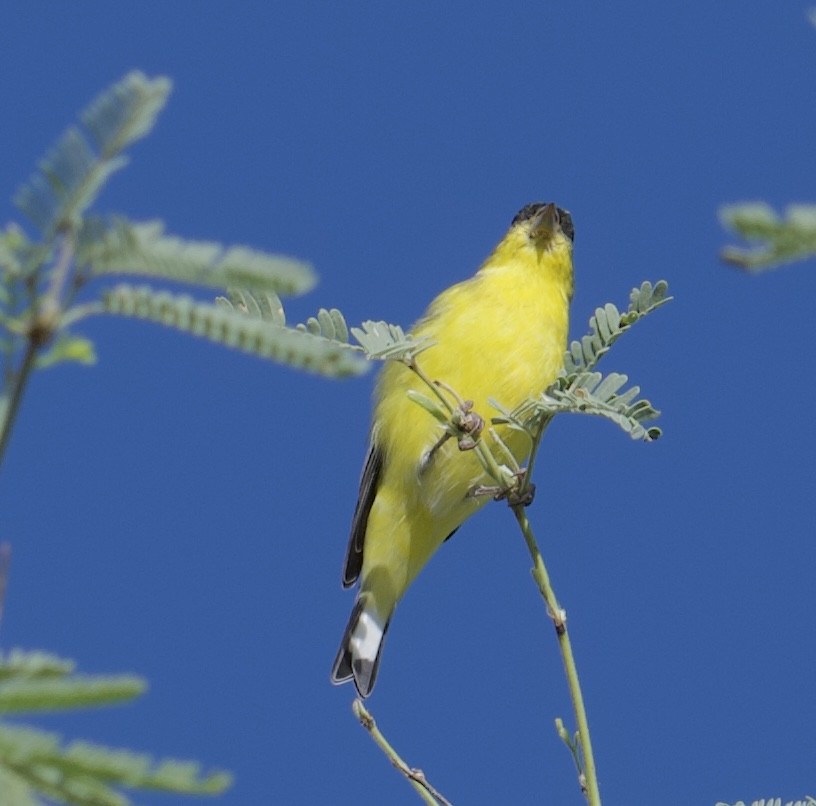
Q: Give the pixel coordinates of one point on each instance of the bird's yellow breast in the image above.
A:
(500, 335)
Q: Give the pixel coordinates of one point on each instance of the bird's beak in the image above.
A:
(546, 221)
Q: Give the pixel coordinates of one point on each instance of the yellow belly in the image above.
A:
(501, 336)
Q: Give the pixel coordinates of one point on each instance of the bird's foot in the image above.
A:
(468, 425)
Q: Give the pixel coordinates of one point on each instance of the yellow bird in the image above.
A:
(500, 335)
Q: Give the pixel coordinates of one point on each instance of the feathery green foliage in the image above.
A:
(73, 173)
(232, 327)
(328, 324)
(33, 762)
(777, 240)
(386, 342)
(584, 391)
(21, 665)
(591, 393)
(14, 791)
(607, 325)
(119, 246)
(265, 305)
(581, 390)
(578, 389)
(51, 283)
(50, 694)
(43, 282)
(64, 347)
(809, 801)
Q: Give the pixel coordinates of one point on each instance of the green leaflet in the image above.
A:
(330, 324)
(588, 393)
(255, 304)
(118, 246)
(49, 694)
(14, 791)
(433, 407)
(125, 112)
(67, 347)
(593, 393)
(607, 325)
(231, 327)
(85, 774)
(777, 239)
(73, 172)
(37, 681)
(383, 341)
(24, 665)
(33, 762)
(582, 390)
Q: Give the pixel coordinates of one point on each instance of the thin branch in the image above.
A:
(51, 304)
(536, 438)
(8, 413)
(44, 321)
(587, 775)
(416, 777)
(435, 386)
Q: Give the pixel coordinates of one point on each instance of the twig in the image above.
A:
(587, 775)
(44, 321)
(51, 303)
(8, 414)
(434, 386)
(416, 777)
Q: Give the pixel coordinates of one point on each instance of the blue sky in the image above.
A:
(181, 511)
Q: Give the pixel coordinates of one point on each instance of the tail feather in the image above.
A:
(358, 658)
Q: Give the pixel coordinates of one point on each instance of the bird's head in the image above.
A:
(544, 225)
(540, 231)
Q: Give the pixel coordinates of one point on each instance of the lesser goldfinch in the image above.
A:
(499, 335)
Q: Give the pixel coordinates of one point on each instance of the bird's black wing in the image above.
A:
(369, 482)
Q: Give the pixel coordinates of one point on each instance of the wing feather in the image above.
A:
(369, 482)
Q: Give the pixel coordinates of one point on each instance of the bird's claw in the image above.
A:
(468, 425)
(521, 498)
